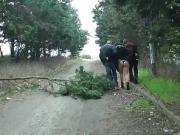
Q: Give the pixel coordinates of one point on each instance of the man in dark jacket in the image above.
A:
(108, 58)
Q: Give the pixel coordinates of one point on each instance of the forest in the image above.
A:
(144, 22)
(34, 28)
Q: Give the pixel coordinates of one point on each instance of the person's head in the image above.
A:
(119, 42)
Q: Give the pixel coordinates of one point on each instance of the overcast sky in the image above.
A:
(85, 8)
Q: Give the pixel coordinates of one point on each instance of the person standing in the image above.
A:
(108, 58)
(133, 61)
(123, 55)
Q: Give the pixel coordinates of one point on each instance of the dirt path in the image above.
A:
(38, 113)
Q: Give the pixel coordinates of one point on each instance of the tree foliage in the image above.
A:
(143, 22)
(36, 27)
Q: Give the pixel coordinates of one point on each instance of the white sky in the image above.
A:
(84, 8)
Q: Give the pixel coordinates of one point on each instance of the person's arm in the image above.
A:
(135, 52)
(128, 54)
(101, 58)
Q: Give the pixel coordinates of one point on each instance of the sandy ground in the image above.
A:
(39, 113)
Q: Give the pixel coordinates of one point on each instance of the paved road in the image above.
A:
(39, 113)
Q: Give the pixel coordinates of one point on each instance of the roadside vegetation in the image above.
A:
(167, 90)
(87, 85)
(41, 67)
(139, 105)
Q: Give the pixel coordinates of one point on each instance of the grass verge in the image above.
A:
(138, 105)
(63, 67)
(41, 67)
(167, 90)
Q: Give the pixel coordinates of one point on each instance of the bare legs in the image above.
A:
(123, 67)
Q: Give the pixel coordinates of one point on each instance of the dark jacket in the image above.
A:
(122, 53)
(107, 53)
(110, 53)
(133, 49)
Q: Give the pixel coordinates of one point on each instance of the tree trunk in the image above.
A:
(44, 51)
(152, 58)
(12, 48)
(32, 54)
(59, 52)
(1, 52)
(49, 52)
(37, 53)
(18, 55)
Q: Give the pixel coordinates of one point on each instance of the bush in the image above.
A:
(87, 85)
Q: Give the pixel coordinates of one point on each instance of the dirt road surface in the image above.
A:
(39, 113)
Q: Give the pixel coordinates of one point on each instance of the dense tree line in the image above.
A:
(36, 27)
(145, 22)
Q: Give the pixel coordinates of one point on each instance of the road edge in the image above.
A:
(159, 103)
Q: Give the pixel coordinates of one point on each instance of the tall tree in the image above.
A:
(34, 28)
(153, 22)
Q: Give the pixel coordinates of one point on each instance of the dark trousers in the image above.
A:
(133, 71)
(111, 72)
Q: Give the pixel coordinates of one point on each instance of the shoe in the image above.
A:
(122, 85)
(115, 88)
(131, 79)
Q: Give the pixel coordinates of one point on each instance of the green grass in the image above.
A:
(167, 90)
(139, 105)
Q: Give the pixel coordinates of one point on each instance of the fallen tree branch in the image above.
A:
(33, 77)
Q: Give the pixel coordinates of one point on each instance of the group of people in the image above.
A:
(124, 59)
